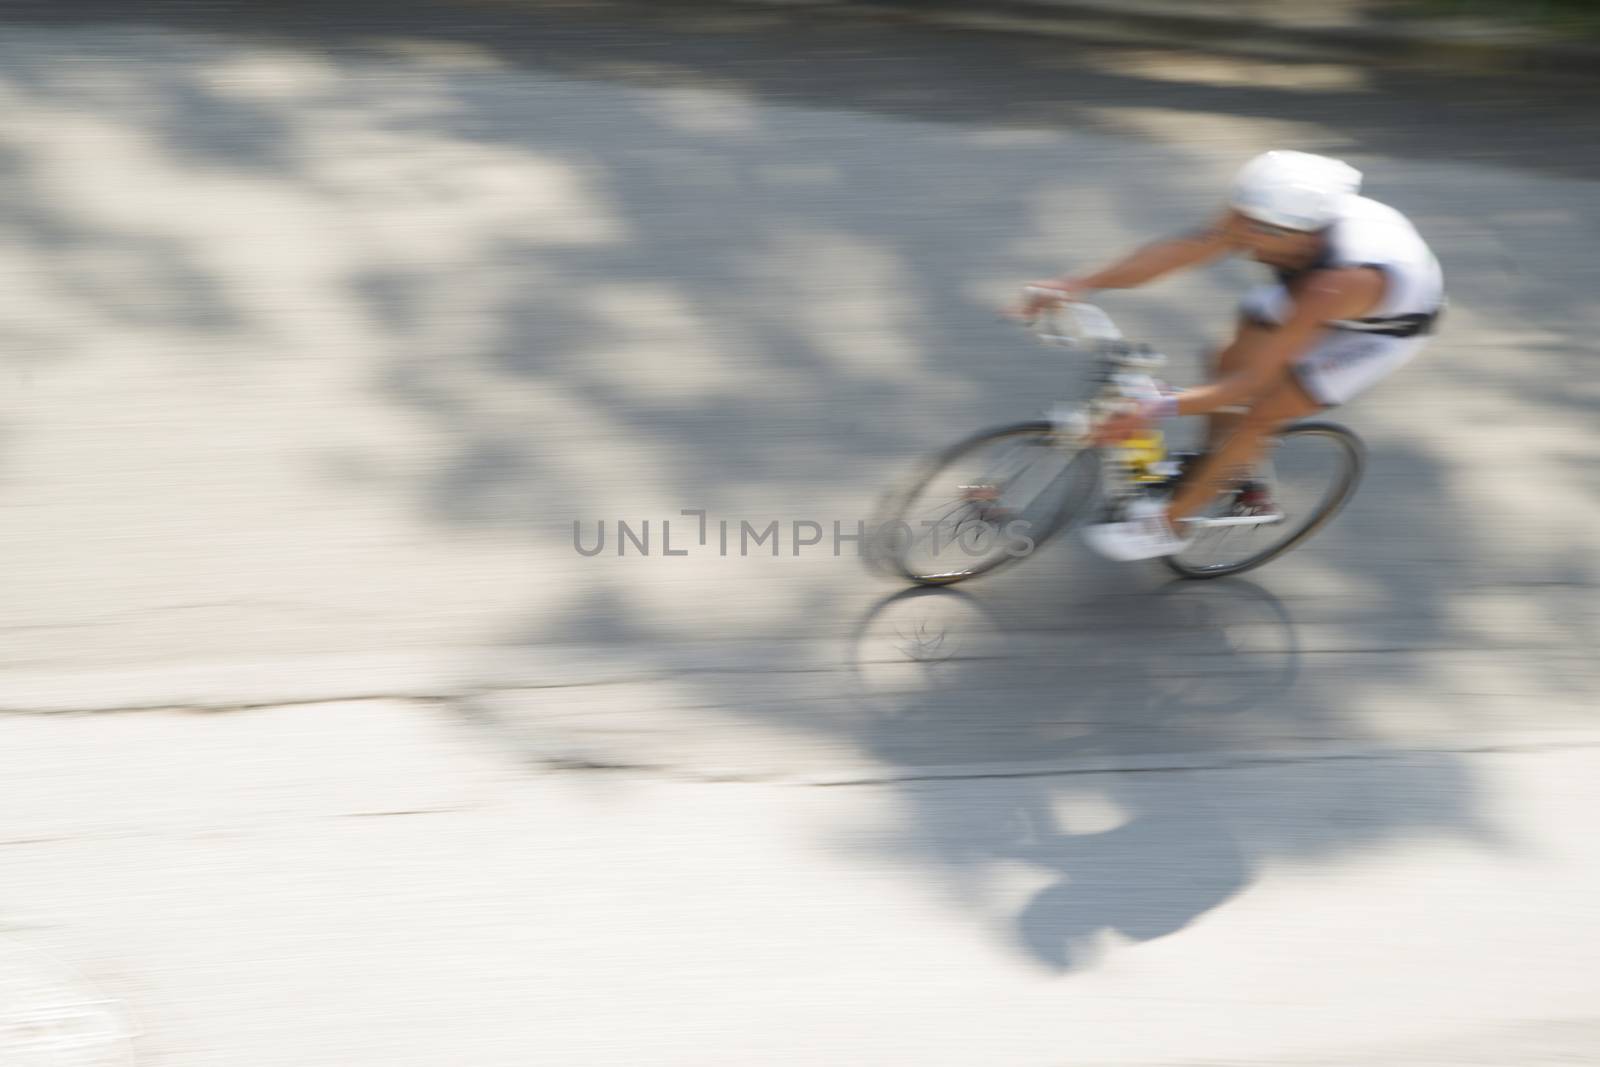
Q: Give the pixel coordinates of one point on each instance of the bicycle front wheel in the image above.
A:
(984, 503)
(1311, 470)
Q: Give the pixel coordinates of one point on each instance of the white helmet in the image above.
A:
(1295, 190)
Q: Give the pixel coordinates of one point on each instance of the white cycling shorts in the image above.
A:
(1345, 363)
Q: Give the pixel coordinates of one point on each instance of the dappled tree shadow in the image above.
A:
(617, 262)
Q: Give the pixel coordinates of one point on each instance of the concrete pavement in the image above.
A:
(323, 326)
(378, 883)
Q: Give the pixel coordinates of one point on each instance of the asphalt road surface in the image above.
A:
(324, 324)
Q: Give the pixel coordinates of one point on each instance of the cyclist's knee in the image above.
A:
(1235, 355)
(1279, 405)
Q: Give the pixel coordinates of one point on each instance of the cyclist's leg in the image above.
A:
(1341, 366)
(1230, 360)
(1260, 312)
(1285, 403)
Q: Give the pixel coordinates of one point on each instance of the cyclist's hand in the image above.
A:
(1123, 425)
(1037, 296)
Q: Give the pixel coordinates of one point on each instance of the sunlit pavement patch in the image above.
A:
(50, 1017)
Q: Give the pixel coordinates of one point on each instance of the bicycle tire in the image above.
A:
(1354, 454)
(1041, 529)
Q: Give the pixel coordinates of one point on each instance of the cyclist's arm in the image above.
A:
(1158, 259)
(1325, 297)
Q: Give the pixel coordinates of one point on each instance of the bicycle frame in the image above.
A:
(1123, 371)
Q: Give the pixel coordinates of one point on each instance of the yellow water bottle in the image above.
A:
(1143, 452)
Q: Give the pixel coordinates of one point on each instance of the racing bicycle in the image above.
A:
(995, 497)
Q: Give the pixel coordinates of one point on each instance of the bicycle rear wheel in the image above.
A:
(1311, 470)
(984, 503)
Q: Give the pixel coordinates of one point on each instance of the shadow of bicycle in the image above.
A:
(1062, 772)
(1113, 663)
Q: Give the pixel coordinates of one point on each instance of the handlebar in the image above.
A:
(1083, 323)
(1073, 324)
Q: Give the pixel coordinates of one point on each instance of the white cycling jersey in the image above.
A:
(1370, 234)
(1343, 364)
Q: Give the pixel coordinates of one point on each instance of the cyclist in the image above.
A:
(1357, 294)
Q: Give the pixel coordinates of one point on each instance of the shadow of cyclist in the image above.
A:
(1096, 782)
